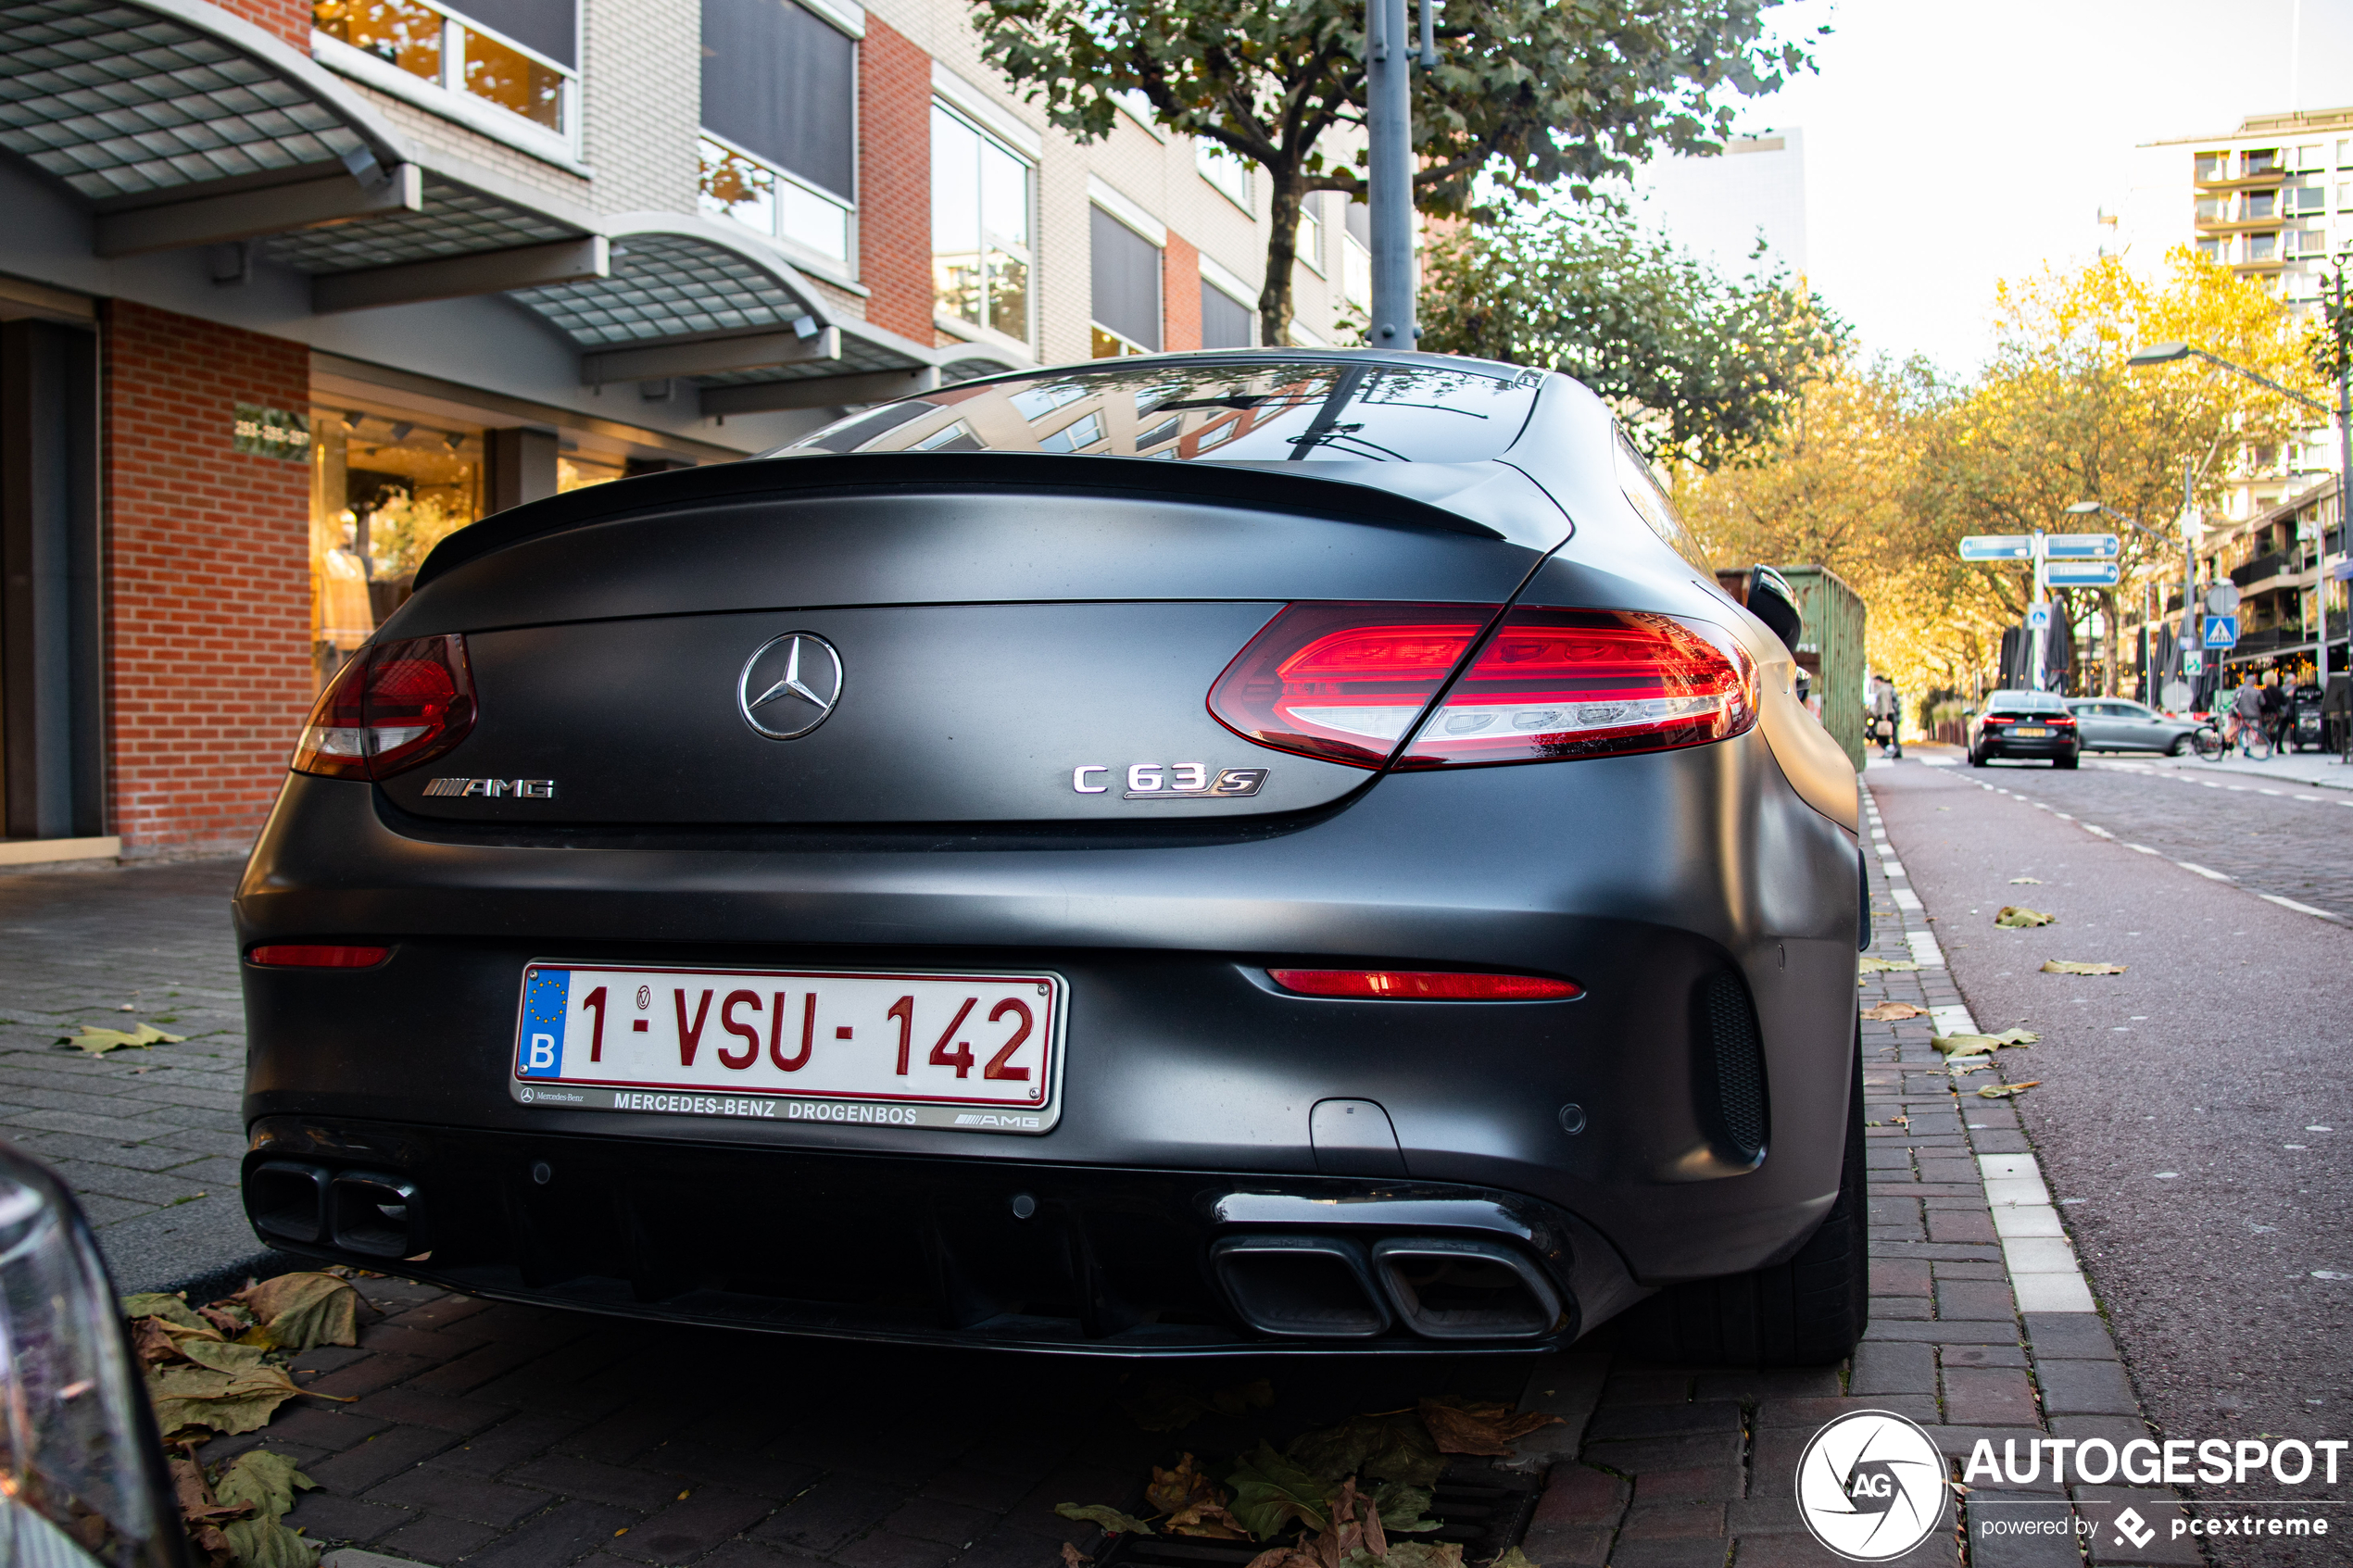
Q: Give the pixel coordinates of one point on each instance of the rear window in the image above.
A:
(1264, 411)
(2015, 703)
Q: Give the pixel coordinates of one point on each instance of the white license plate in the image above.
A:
(858, 1048)
(2029, 732)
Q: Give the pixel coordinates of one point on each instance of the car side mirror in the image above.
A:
(1773, 601)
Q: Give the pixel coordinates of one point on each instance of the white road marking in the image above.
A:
(2300, 909)
(1925, 952)
(1952, 1019)
(1904, 897)
(2210, 876)
(2142, 848)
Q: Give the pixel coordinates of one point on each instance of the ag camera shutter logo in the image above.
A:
(1870, 1487)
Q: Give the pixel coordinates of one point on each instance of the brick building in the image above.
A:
(290, 289)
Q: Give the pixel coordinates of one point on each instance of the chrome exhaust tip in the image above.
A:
(1301, 1286)
(1446, 1289)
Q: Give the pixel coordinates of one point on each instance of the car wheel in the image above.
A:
(1976, 758)
(2181, 746)
(1808, 1312)
(2071, 759)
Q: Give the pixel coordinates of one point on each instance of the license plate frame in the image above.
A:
(2034, 732)
(628, 1053)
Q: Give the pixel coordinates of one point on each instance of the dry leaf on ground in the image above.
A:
(1410, 1555)
(1395, 1447)
(2008, 1091)
(98, 1042)
(300, 1310)
(266, 1483)
(1888, 1012)
(1968, 1063)
(1072, 1557)
(1110, 1518)
(1464, 1427)
(2035, 880)
(1972, 1045)
(2070, 966)
(1869, 965)
(2018, 917)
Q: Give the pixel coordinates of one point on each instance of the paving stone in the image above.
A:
(2068, 1337)
(1983, 1355)
(1884, 1367)
(883, 1550)
(326, 1516)
(1960, 1226)
(565, 1532)
(410, 1407)
(464, 1497)
(829, 1514)
(2085, 1387)
(1614, 1423)
(517, 1438)
(1571, 1547)
(569, 1475)
(1577, 1494)
(1985, 1332)
(386, 1454)
(1665, 1453)
(1901, 1276)
(695, 1524)
(1988, 1396)
(437, 1537)
(1965, 1298)
(2104, 1506)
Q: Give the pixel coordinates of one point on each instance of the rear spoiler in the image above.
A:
(936, 472)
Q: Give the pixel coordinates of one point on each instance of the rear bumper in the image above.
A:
(879, 1248)
(2009, 746)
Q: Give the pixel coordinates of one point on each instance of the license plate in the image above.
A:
(2029, 732)
(858, 1048)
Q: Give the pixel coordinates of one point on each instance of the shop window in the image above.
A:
(577, 471)
(780, 123)
(384, 490)
(520, 56)
(979, 227)
(1124, 270)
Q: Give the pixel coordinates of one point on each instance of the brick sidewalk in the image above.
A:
(148, 1139)
(1694, 1466)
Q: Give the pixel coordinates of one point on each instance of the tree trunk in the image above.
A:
(1282, 257)
(2107, 619)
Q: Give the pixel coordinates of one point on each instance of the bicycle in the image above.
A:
(2207, 742)
(2251, 736)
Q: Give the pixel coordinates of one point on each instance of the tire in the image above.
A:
(1808, 1312)
(2181, 746)
(1976, 758)
(2073, 759)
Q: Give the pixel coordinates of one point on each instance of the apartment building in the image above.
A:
(290, 289)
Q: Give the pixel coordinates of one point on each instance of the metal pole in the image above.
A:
(2344, 466)
(2042, 602)
(2189, 573)
(1389, 111)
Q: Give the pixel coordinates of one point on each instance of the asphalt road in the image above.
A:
(2195, 1116)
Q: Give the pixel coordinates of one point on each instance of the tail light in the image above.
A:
(315, 955)
(1344, 681)
(1558, 684)
(1424, 985)
(389, 708)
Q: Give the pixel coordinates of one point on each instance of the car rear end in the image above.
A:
(1033, 899)
(2028, 726)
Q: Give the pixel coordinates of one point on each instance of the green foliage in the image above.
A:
(1271, 1492)
(2330, 347)
(1706, 370)
(1528, 93)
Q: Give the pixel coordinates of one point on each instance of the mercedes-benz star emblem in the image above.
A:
(790, 686)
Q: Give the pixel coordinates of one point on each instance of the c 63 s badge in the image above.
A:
(1170, 781)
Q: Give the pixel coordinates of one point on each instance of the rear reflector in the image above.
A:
(1344, 681)
(389, 708)
(1553, 684)
(1424, 985)
(307, 955)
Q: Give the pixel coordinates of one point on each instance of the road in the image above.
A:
(2194, 1116)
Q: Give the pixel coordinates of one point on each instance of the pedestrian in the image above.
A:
(2274, 709)
(2247, 711)
(1886, 715)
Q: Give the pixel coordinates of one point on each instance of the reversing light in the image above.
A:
(316, 955)
(1424, 985)
(389, 708)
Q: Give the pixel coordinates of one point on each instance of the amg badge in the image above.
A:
(495, 789)
(1171, 781)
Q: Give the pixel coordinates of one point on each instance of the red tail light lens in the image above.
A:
(1344, 681)
(1553, 684)
(310, 955)
(1424, 985)
(390, 708)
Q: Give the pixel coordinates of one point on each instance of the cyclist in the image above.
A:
(2246, 713)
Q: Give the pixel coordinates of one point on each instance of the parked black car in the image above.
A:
(2024, 724)
(1357, 882)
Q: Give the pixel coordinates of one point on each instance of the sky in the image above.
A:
(1949, 145)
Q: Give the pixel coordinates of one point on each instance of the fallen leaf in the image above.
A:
(1286, 1557)
(301, 1310)
(2008, 1091)
(1271, 1491)
(1396, 1446)
(1869, 965)
(2016, 880)
(1072, 1557)
(266, 1483)
(1409, 1554)
(1404, 1508)
(2069, 966)
(1463, 1427)
(1207, 1519)
(1969, 1044)
(1888, 1012)
(1515, 1557)
(1173, 1491)
(152, 1343)
(171, 1309)
(2018, 917)
(1110, 1518)
(98, 1042)
(1968, 1063)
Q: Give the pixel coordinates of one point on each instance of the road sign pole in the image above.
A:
(2042, 602)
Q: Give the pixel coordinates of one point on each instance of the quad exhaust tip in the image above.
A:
(1332, 1287)
(373, 1213)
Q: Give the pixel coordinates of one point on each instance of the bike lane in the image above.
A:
(2192, 1117)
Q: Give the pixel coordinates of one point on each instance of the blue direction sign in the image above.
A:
(2038, 617)
(2080, 547)
(1997, 546)
(2222, 630)
(2081, 574)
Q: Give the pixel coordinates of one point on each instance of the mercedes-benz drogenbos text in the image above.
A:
(1275, 850)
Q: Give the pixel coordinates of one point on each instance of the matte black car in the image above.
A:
(1276, 850)
(2024, 725)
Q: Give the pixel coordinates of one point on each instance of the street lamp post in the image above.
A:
(2166, 353)
(1388, 117)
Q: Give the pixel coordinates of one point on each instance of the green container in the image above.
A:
(1830, 645)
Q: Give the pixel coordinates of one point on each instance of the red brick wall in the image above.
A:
(894, 181)
(1179, 295)
(208, 581)
(290, 19)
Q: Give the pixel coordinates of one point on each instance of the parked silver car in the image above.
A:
(2115, 723)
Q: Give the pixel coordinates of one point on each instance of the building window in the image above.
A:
(2258, 207)
(2213, 210)
(1229, 170)
(2263, 247)
(780, 127)
(2308, 194)
(1226, 322)
(1124, 268)
(384, 490)
(979, 227)
(2312, 154)
(522, 55)
(2258, 160)
(1357, 255)
(1311, 231)
(2213, 165)
(2306, 241)
(2210, 250)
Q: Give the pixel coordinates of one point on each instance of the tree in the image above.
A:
(1528, 93)
(1704, 369)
